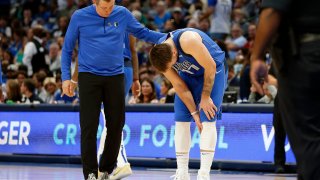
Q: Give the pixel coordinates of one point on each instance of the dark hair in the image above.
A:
(160, 56)
(29, 84)
(152, 95)
(13, 91)
(40, 76)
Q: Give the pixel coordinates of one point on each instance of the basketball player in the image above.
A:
(195, 65)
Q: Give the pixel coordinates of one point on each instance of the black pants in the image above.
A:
(299, 100)
(280, 136)
(93, 90)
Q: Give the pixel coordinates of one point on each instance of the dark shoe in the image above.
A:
(279, 169)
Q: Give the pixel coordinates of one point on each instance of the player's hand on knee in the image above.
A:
(196, 118)
(67, 88)
(208, 107)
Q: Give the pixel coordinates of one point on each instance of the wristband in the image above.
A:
(74, 82)
(193, 113)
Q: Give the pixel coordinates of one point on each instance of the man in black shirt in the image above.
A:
(296, 52)
(27, 90)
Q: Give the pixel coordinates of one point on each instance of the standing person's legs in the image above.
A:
(300, 104)
(280, 137)
(90, 93)
(122, 157)
(114, 108)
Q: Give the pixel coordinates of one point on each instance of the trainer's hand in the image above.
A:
(206, 104)
(136, 88)
(68, 88)
(258, 69)
(196, 118)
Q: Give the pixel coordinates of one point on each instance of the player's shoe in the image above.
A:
(121, 172)
(92, 176)
(103, 176)
(181, 175)
(203, 176)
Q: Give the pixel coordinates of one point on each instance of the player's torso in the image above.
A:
(187, 63)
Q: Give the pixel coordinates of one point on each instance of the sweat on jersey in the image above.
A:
(101, 40)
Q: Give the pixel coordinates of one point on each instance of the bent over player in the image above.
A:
(194, 64)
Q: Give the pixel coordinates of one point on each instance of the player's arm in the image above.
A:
(191, 43)
(135, 66)
(184, 93)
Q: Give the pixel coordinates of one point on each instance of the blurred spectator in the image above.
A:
(204, 25)
(7, 56)
(69, 9)
(236, 41)
(193, 23)
(239, 17)
(38, 79)
(269, 90)
(148, 93)
(53, 15)
(63, 25)
(54, 58)
(27, 90)
(220, 12)
(27, 18)
(162, 16)
(51, 88)
(4, 28)
(34, 52)
(178, 18)
(17, 43)
(251, 36)
(13, 92)
(21, 76)
(167, 92)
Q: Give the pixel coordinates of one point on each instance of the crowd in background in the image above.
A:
(32, 34)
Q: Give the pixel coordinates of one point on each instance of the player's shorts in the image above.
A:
(195, 85)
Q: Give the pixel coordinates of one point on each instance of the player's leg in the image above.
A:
(123, 166)
(208, 137)
(182, 136)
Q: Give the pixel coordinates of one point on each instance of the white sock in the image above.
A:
(182, 162)
(182, 140)
(206, 162)
(208, 139)
(122, 156)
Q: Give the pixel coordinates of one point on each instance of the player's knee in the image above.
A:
(208, 137)
(182, 136)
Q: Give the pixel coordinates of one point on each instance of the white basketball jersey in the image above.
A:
(221, 18)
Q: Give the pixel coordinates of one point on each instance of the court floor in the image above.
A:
(26, 171)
